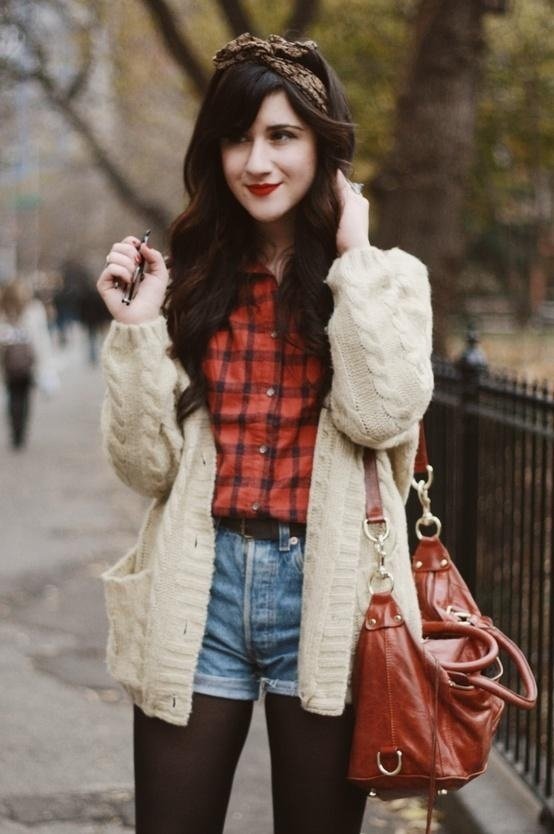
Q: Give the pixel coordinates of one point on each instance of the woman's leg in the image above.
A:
(309, 761)
(18, 409)
(183, 775)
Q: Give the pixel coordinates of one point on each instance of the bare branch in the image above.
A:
(176, 44)
(237, 18)
(33, 66)
(81, 77)
(35, 48)
(79, 81)
(118, 179)
(303, 15)
(115, 175)
(496, 6)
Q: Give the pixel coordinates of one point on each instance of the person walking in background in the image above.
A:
(25, 354)
(93, 315)
(242, 386)
(73, 275)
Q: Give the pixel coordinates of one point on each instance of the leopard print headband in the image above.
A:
(279, 55)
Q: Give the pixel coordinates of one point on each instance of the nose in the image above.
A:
(258, 162)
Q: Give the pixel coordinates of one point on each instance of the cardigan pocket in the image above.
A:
(127, 595)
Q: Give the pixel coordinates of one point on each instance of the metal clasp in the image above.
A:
(381, 574)
(461, 616)
(396, 770)
(427, 519)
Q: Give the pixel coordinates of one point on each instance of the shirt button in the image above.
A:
(262, 450)
(273, 334)
(255, 506)
(270, 392)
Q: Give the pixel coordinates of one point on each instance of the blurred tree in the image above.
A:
(32, 58)
(444, 169)
(508, 215)
(28, 27)
(421, 187)
(238, 18)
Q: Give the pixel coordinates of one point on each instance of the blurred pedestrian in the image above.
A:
(25, 354)
(242, 386)
(73, 276)
(93, 315)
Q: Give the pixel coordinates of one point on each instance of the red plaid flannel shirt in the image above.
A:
(262, 397)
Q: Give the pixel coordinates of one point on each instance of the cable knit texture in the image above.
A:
(157, 594)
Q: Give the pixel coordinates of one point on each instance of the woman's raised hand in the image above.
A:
(353, 230)
(120, 266)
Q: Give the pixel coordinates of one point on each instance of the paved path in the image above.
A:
(65, 757)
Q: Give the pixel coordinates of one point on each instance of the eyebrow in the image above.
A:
(276, 127)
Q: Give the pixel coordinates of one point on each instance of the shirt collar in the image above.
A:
(257, 268)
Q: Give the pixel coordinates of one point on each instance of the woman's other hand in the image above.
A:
(112, 284)
(353, 230)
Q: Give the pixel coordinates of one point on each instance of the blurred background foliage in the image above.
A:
(81, 166)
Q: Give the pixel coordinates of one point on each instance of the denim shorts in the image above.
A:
(250, 643)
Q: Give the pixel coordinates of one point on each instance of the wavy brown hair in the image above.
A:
(213, 239)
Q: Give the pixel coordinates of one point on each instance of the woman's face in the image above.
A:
(270, 168)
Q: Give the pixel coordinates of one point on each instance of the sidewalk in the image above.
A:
(66, 755)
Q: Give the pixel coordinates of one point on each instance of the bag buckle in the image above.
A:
(460, 615)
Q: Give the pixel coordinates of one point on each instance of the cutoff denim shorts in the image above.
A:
(250, 644)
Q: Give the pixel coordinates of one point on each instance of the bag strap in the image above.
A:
(375, 513)
(421, 459)
(374, 504)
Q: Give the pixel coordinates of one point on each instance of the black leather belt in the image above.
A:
(260, 528)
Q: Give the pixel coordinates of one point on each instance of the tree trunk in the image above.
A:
(421, 187)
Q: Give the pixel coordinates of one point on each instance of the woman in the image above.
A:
(25, 354)
(241, 390)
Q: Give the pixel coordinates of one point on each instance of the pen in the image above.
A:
(138, 275)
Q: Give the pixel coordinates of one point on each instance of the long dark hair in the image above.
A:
(213, 237)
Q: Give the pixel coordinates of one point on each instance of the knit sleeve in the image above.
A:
(381, 337)
(139, 429)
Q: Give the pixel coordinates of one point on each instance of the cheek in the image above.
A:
(305, 168)
(230, 166)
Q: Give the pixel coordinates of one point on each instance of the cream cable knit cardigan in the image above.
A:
(157, 594)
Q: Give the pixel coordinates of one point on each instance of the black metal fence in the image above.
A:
(491, 442)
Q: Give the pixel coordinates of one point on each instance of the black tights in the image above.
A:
(19, 395)
(183, 775)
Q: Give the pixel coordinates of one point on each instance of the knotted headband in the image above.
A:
(279, 55)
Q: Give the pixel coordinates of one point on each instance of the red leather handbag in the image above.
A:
(425, 710)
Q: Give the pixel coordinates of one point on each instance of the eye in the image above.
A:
(282, 135)
(234, 139)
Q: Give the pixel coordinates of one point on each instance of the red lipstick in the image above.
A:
(263, 190)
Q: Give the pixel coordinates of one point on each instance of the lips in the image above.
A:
(263, 190)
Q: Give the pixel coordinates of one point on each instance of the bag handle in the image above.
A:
(519, 660)
(470, 632)
(495, 640)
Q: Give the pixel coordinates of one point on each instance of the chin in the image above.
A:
(268, 216)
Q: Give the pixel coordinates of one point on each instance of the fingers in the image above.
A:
(153, 258)
(353, 226)
(121, 263)
(347, 188)
(342, 182)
